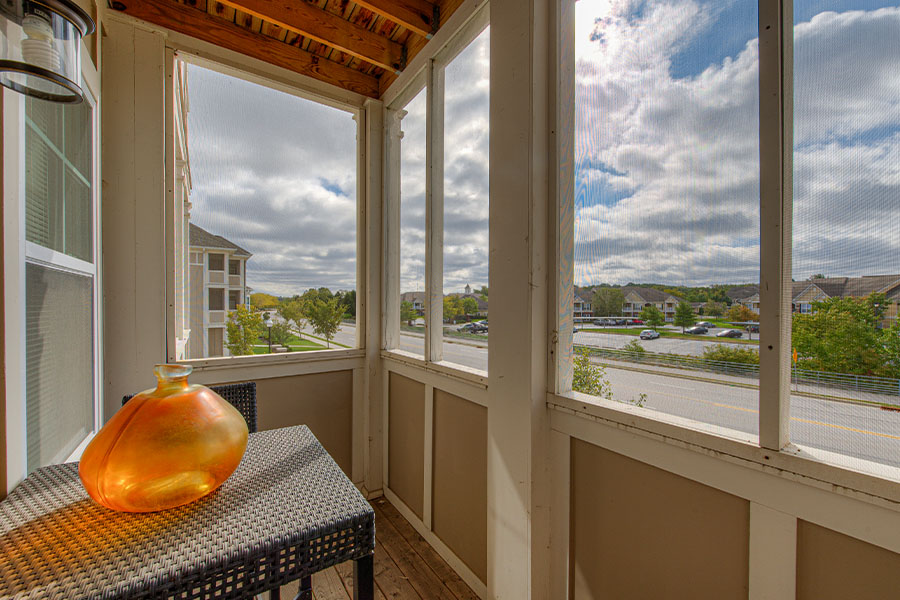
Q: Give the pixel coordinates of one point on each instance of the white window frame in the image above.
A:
(773, 449)
(18, 251)
(429, 76)
(182, 50)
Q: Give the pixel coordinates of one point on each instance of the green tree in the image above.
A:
(589, 378)
(839, 336)
(607, 302)
(407, 312)
(348, 301)
(652, 316)
(452, 308)
(280, 333)
(740, 313)
(684, 315)
(244, 329)
(483, 292)
(713, 309)
(325, 317)
(293, 311)
(469, 306)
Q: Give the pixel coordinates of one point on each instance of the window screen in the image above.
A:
(216, 262)
(59, 359)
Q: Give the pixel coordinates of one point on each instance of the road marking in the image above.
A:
(811, 422)
(885, 435)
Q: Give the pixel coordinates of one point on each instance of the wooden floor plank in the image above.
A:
(420, 575)
(327, 585)
(406, 567)
(444, 572)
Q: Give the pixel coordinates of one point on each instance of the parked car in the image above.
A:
(636, 321)
(706, 324)
(649, 334)
(696, 330)
(474, 328)
(753, 328)
(730, 333)
(601, 322)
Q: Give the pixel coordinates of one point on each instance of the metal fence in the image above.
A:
(885, 386)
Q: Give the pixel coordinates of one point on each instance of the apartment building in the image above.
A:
(218, 285)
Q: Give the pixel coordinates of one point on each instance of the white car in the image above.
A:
(649, 334)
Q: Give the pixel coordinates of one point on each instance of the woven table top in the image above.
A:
(286, 512)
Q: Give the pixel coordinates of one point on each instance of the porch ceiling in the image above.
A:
(359, 46)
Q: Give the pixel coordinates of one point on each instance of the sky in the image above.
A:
(667, 154)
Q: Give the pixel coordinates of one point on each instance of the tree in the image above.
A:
(293, 311)
(816, 276)
(741, 314)
(325, 317)
(713, 309)
(608, 302)
(348, 301)
(243, 328)
(684, 315)
(652, 316)
(483, 292)
(840, 336)
(452, 308)
(469, 306)
(261, 301)
(407, 312)
(280, 332)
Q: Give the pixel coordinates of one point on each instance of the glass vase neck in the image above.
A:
(171, 377)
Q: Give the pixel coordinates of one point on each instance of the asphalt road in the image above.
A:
(693, 347)
(853, 430)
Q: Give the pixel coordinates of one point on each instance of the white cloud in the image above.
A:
(669, 166)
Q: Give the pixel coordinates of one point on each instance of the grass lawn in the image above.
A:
(448, 332)
(295, 344)
(636, 331)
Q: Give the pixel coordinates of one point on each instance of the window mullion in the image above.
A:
(391, 233)
(434, 212)
(776, 152)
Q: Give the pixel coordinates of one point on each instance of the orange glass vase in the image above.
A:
(165, 447)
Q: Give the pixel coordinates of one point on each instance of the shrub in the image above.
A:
(589, 378)
(730, 353)
(633, 346)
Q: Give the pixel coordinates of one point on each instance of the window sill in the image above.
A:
(230, 368)
(864, 480)
(452, 370)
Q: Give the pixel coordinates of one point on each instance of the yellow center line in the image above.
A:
(753, 410)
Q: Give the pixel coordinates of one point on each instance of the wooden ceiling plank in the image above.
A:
(193, 23)
(327, 28)
(415, 15)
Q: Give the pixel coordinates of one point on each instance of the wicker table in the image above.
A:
(286, 512)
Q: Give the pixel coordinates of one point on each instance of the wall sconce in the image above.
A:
(40, 48)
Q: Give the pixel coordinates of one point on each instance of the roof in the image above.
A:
(857, 287)
(413, 297)
(360, 46)
(648, 294)
(743, 292)
(204, 239)
(586, 295)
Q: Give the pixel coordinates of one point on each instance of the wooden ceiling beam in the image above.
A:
(195, 23)
(419, 16)
(330, 29)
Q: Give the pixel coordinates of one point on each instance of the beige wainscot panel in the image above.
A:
(406, 441)
(641, 532)
(323, 401)
(831, 565)
(459, 484)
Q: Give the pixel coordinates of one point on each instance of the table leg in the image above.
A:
(364, 579)
(305, 592)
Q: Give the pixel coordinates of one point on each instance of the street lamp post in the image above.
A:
(269, 325)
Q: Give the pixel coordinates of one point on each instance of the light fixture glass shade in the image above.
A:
(40, 48)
